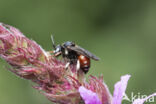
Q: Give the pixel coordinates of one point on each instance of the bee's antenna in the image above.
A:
(53, 43)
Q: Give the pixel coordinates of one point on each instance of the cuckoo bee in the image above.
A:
(74, 54)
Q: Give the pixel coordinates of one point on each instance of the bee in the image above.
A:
(74, 54)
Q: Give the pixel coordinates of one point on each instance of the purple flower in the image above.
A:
(88, 96)
(91, 97)
(119, 89)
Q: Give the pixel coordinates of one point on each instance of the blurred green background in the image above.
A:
(121, 32)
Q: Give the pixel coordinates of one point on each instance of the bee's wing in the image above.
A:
(84, 52)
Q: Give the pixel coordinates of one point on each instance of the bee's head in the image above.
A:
(58, 49)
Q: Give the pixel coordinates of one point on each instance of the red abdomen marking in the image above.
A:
(84, 63)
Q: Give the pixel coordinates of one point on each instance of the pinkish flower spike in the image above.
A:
(30, 61)
(120, 88)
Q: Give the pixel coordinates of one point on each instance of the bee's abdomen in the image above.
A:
(84, 63)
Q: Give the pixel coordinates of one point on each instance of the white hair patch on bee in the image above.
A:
(78, 65)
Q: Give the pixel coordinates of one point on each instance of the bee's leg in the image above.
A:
(54, 55)
(78, 65)
(67, 65)
(57, 54)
